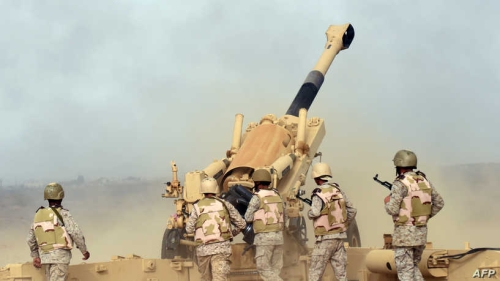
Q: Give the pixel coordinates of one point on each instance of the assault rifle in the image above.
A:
(387, 184)
(305, 200)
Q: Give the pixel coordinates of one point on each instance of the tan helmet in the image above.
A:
(321, 170)
(261, 175)
(209, 185)
(53, 191)
(405, 159)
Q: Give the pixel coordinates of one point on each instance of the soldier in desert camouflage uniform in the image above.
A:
(412, 202)
(53, 234)
(210, 221)
(331, 212)
(266, 211)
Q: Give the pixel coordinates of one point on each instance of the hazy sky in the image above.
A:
(118, 88)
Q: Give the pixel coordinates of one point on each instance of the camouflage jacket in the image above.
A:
(264, 238)
(58, 255)
(317, 205)
(217, 247)
(410, 235)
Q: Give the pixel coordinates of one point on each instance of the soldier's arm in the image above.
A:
(74, 231)
(316, 206)
(398, 192)
(437, 202)
(350, 209)
(236, 218)
(191, 222)
(253, 206)
(31, 240)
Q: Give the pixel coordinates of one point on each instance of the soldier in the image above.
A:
(413, 200)
(210, 221)
(331, 212)
(266, 212)
(53, 234)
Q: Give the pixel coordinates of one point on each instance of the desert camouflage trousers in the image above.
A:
(269, 261)
(56, 271)
(214, 267)
(406, 260)
(333, 251)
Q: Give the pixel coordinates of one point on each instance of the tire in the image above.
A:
(353, 235)
(167, 251)
(171, 247)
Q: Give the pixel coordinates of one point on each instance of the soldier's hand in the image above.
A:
(387, 199)
(86, 256)
(235, 231)
(37, 262)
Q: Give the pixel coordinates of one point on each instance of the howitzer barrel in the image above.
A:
(339, 37)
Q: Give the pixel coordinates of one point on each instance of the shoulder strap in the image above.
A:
(335, 186)
(58, 215)
(420, 173)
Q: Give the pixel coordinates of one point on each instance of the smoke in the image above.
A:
(142, 83)
(116, 219)
(119, 89)
(356, 152)
(130, 218)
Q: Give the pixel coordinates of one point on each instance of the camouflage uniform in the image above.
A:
(409, 240)
(268, 246)
(329, 247)
(213, 258)
(57, 261)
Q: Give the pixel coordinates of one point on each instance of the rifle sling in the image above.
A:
(58, 215)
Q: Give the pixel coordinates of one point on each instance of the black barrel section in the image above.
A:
(307, 93)
(314, 80)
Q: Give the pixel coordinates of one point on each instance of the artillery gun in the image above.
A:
(286, 146)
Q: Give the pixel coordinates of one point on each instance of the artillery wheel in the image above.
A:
(299, 226)
(353, 235)
(171, 247)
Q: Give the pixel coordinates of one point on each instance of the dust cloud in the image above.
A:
(176, 99)
(116, 219)
(130, 217)
(357, 151)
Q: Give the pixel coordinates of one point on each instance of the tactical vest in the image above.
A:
(333, 216)
(213, 224)
(417, 205)
(49, 234)
(269, 216)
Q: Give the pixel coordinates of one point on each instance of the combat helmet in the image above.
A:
(53, 191)
(405, 159)
(321, 170)
(209, 185)
(262, 175)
